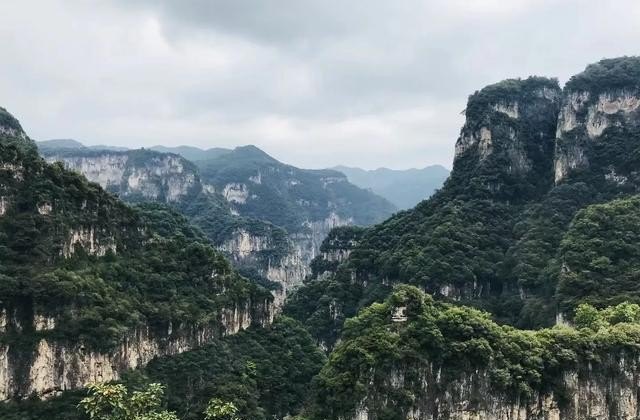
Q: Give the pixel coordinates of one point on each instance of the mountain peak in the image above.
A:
(252, 152)
(10, 126)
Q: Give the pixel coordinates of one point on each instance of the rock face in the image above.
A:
(508, 135)
(290, 269)
(586, 395)
(144, 175)
(583, 119)
(75, 318)
(54, 366)
(138, 175)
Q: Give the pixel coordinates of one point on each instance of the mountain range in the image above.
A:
(404, 188)
(510, 293)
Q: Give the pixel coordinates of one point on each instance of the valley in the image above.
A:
(508, 293)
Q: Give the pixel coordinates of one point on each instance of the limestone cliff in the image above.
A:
(52, 365)
(91, 287)
(598, 104)
(508, 136)
(584, 395)
(271, 253)
(136, 175)
(413, 358)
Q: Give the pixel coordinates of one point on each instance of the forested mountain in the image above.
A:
(536, 219)
(193, 154)
(260, 186)
(269, 218)
(511, 293)
(91, 287)
(404, 188)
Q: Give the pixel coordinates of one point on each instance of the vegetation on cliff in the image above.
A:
(412, 338)
(264, 372)
(99, 268)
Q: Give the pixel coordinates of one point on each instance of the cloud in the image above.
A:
(315, 83)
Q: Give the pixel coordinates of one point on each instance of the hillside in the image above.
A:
(511, 293)
(403, 188)
(260, 186)
(270, 226)
(91, 287)
(527, 160)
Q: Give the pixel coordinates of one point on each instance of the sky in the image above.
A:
(365, 83)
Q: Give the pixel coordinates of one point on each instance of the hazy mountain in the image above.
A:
(404, 188)
(57, 144)
(192, 153)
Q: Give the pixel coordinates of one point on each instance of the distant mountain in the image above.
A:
(259, 186)
(404, 188)
(70, 144)
(269, 218)
(193, 153)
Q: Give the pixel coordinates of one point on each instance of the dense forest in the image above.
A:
(513, 289)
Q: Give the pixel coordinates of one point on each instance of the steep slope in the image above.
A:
(265, 371)
(403, 188)
(259, 186)
(495, 236)
(269, 218)
(258, 248)
(91, 287)
(453, 244)
(413, 358)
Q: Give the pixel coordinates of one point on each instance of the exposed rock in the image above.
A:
(45, 208)
(594, 395)
(236, 193)
(57, 366)
(510, 109)
(584, 118)
(93, 242)
(159, 177)
(4, 205)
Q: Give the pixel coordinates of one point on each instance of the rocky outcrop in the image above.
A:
(583, 119)
(93, 242)
(586, 395)
(498, 125)
(53, 366)
(135, 175)
(288, 268)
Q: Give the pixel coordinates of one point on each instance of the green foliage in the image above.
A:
(9, 121)
(97, 266)
(288, 196)
(600, 255)
(114, 402)
(220, 410)
(264, 373)
(458, 342)
(612, 73)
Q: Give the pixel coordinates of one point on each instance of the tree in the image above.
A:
(221, 410)
(115, 402)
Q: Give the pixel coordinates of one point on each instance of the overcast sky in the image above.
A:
(364, 83)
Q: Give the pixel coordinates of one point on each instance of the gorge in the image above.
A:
(509, 294)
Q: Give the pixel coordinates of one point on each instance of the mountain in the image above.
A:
(192, 153)
(403, 188)
(271, 226)
(536, 225)
(411, 357)
(58, 144)
(91, 287)
(511, 293)
(259, 186)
